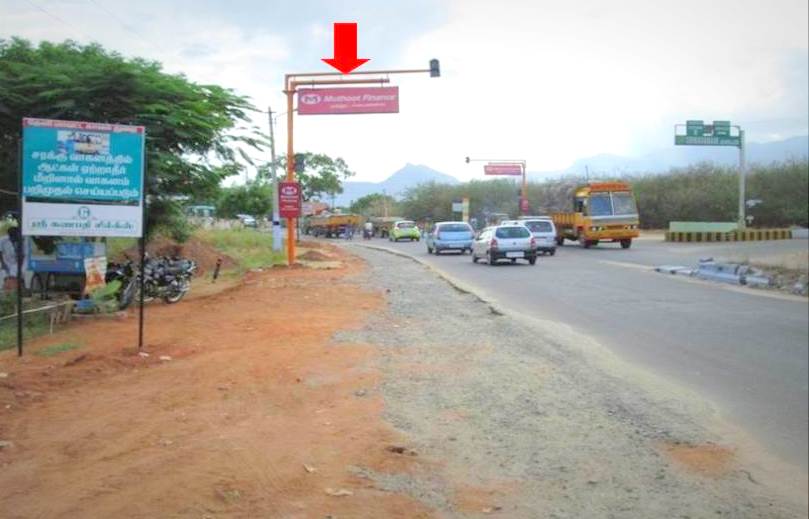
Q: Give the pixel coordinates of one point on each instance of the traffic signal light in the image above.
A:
(435, 69)
(300, 162)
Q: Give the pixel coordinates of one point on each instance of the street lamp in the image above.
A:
(523, 205)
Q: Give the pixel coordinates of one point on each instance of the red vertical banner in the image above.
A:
(289, 199)
(524, 207)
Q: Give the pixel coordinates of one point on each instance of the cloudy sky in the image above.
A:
(542, 80)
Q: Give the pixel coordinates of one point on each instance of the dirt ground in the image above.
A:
(242, 408)
(358, 386)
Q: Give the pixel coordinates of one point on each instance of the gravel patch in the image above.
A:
(508, 420)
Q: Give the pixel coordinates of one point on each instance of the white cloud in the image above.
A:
(541, 80)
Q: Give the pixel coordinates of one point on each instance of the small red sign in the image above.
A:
(524, 206)
(363, 100)
(503, 169)
(289, 199)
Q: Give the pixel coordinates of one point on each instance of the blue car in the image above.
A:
(450, 236)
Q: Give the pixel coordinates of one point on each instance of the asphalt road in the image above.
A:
(744, 352)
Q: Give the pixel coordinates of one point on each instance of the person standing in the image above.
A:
(10, 247)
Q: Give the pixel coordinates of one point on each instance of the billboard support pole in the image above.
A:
(290, 86)
(742, 180)
(290, 92)
(142, 280)
(19, 250)
(524, 195)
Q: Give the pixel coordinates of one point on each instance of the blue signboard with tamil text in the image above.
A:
(82, 178)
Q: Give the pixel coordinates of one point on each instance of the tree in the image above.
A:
(194, 133)
(253, 198)
(375, 204)
(320, 174)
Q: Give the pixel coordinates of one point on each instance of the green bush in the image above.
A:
(702, 192)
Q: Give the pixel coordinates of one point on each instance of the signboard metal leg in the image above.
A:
(141, 281)
(19, 251)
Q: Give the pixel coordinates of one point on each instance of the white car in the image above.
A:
(247, 220)
(509, 242)
(542, 228)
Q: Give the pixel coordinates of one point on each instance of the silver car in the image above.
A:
(543, 230)
(509, 242)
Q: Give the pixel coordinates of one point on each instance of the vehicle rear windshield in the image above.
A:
(406, 225)
(512, 232)
(454, 227)
(539, 226)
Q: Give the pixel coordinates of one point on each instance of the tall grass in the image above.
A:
(250, 248)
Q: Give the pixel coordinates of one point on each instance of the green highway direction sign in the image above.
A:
(697, 133)
(711, 140)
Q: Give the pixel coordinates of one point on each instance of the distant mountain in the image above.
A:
(395, 185)
(682, 156)
(662, 160)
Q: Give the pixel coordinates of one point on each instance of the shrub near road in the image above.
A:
(702, 192)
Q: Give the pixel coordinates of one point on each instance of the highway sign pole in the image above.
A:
(698, 133)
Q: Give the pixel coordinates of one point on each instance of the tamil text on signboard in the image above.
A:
(503, 169)
(82, 178)
(289, 199)
(366, 100)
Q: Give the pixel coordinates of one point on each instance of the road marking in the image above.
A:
(636, 266)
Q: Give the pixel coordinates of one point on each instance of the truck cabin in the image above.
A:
(605, 199)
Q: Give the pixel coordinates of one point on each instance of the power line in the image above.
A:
(141, 39)
(57, 18)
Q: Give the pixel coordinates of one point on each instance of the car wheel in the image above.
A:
(513, 261)
(532, 260)
(625, 244)
(553, 252)
(474, 258)
(560, 241)
(492, 260)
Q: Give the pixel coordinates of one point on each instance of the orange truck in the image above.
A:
(602, 211)
(332, 225)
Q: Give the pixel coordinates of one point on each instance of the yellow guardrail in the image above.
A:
(745, 235)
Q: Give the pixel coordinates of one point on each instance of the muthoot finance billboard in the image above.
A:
(82, 178)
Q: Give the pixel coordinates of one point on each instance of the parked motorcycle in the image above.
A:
(165, 278)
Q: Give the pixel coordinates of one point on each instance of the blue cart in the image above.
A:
(58, 265)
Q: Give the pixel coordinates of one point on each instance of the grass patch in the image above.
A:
(251, 248)
(34, 325)
(117, 246)
(55, 349)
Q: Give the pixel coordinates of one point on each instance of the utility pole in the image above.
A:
(742, 179)
(276, 218)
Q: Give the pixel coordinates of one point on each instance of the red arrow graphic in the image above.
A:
(345, 48)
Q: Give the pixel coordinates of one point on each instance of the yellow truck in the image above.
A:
(333, 225)
(602, 211)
